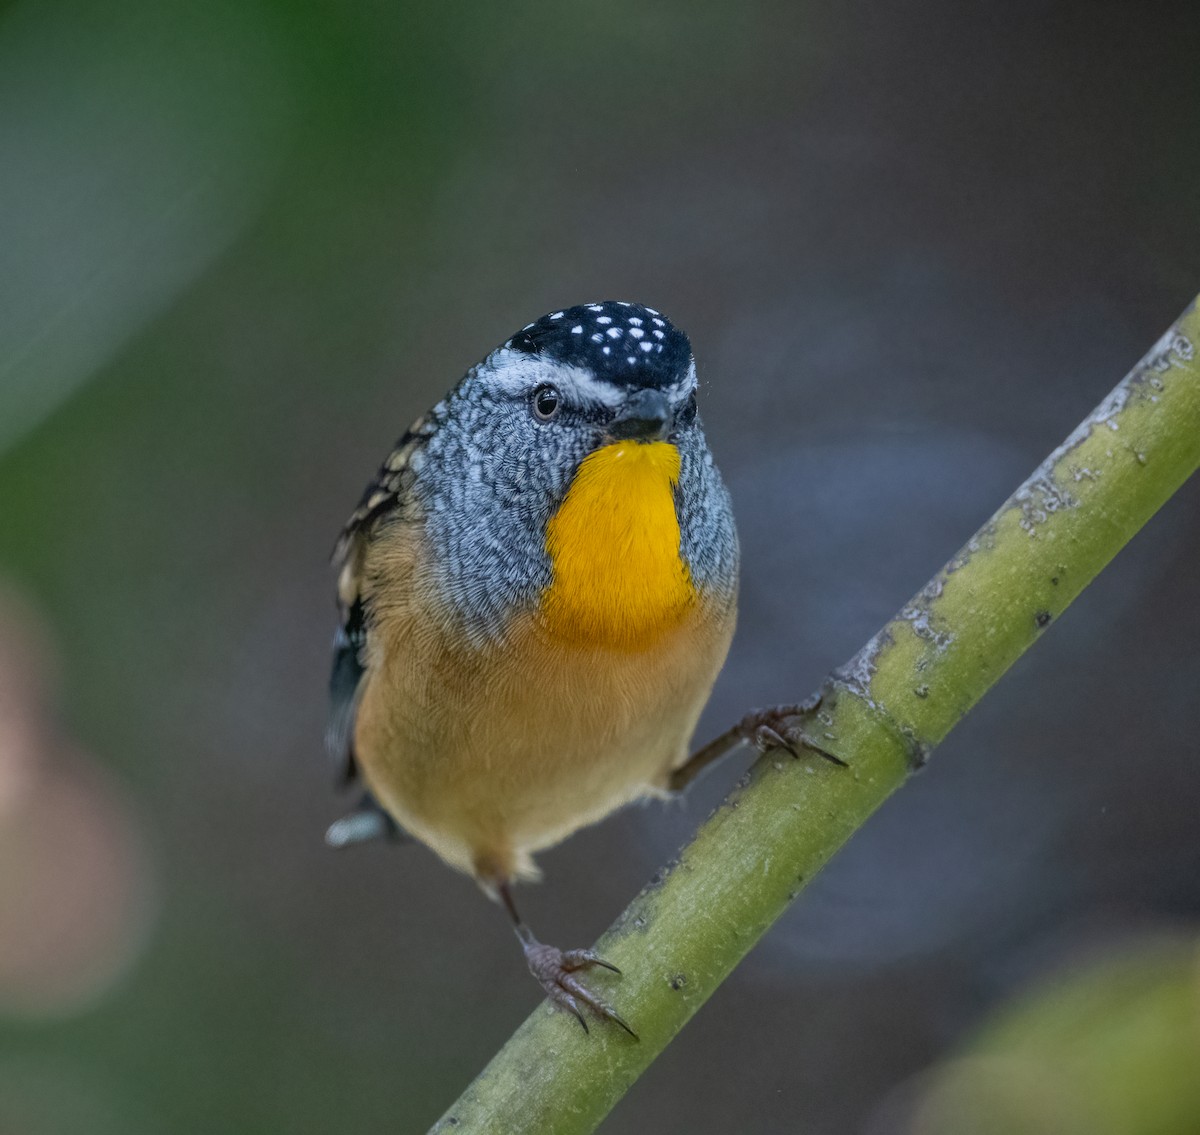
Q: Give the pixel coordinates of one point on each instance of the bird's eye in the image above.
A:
(546, 401)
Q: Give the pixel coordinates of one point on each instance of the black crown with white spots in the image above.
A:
(624, 343)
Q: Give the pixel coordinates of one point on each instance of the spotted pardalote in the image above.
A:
(537, 591)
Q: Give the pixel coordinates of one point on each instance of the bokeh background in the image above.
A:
(244, 242)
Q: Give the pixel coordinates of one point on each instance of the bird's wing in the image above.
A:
(384, 498)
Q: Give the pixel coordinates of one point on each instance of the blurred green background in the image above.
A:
(243, 244)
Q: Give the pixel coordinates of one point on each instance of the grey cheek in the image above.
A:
(488, 492)
(708, 538)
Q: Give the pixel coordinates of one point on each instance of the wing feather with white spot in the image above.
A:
(383, 498)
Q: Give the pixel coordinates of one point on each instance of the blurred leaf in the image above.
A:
(1111, 1050)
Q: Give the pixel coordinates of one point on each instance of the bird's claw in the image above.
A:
(580, 959)
(555, 971)
(781, 727)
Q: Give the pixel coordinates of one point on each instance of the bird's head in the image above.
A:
(597, 374)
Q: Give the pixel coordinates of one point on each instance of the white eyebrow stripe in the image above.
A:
(518, 373)
(684, 386)
(588, 388)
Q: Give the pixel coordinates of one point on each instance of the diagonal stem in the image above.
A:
(887, 709)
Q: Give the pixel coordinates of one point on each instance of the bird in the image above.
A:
(536, 593)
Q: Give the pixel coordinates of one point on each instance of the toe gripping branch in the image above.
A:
(778, 727)
(781, 727)
(555, 971)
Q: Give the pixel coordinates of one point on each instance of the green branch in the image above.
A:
(884, 711)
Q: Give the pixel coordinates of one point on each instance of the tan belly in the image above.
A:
(489, 755)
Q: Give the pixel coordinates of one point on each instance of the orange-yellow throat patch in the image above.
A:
(614, 545)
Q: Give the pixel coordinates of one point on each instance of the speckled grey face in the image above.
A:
(512, 434)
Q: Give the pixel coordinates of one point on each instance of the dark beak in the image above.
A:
(645, 416)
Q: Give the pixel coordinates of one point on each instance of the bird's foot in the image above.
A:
(782, 727)
(555, 971)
